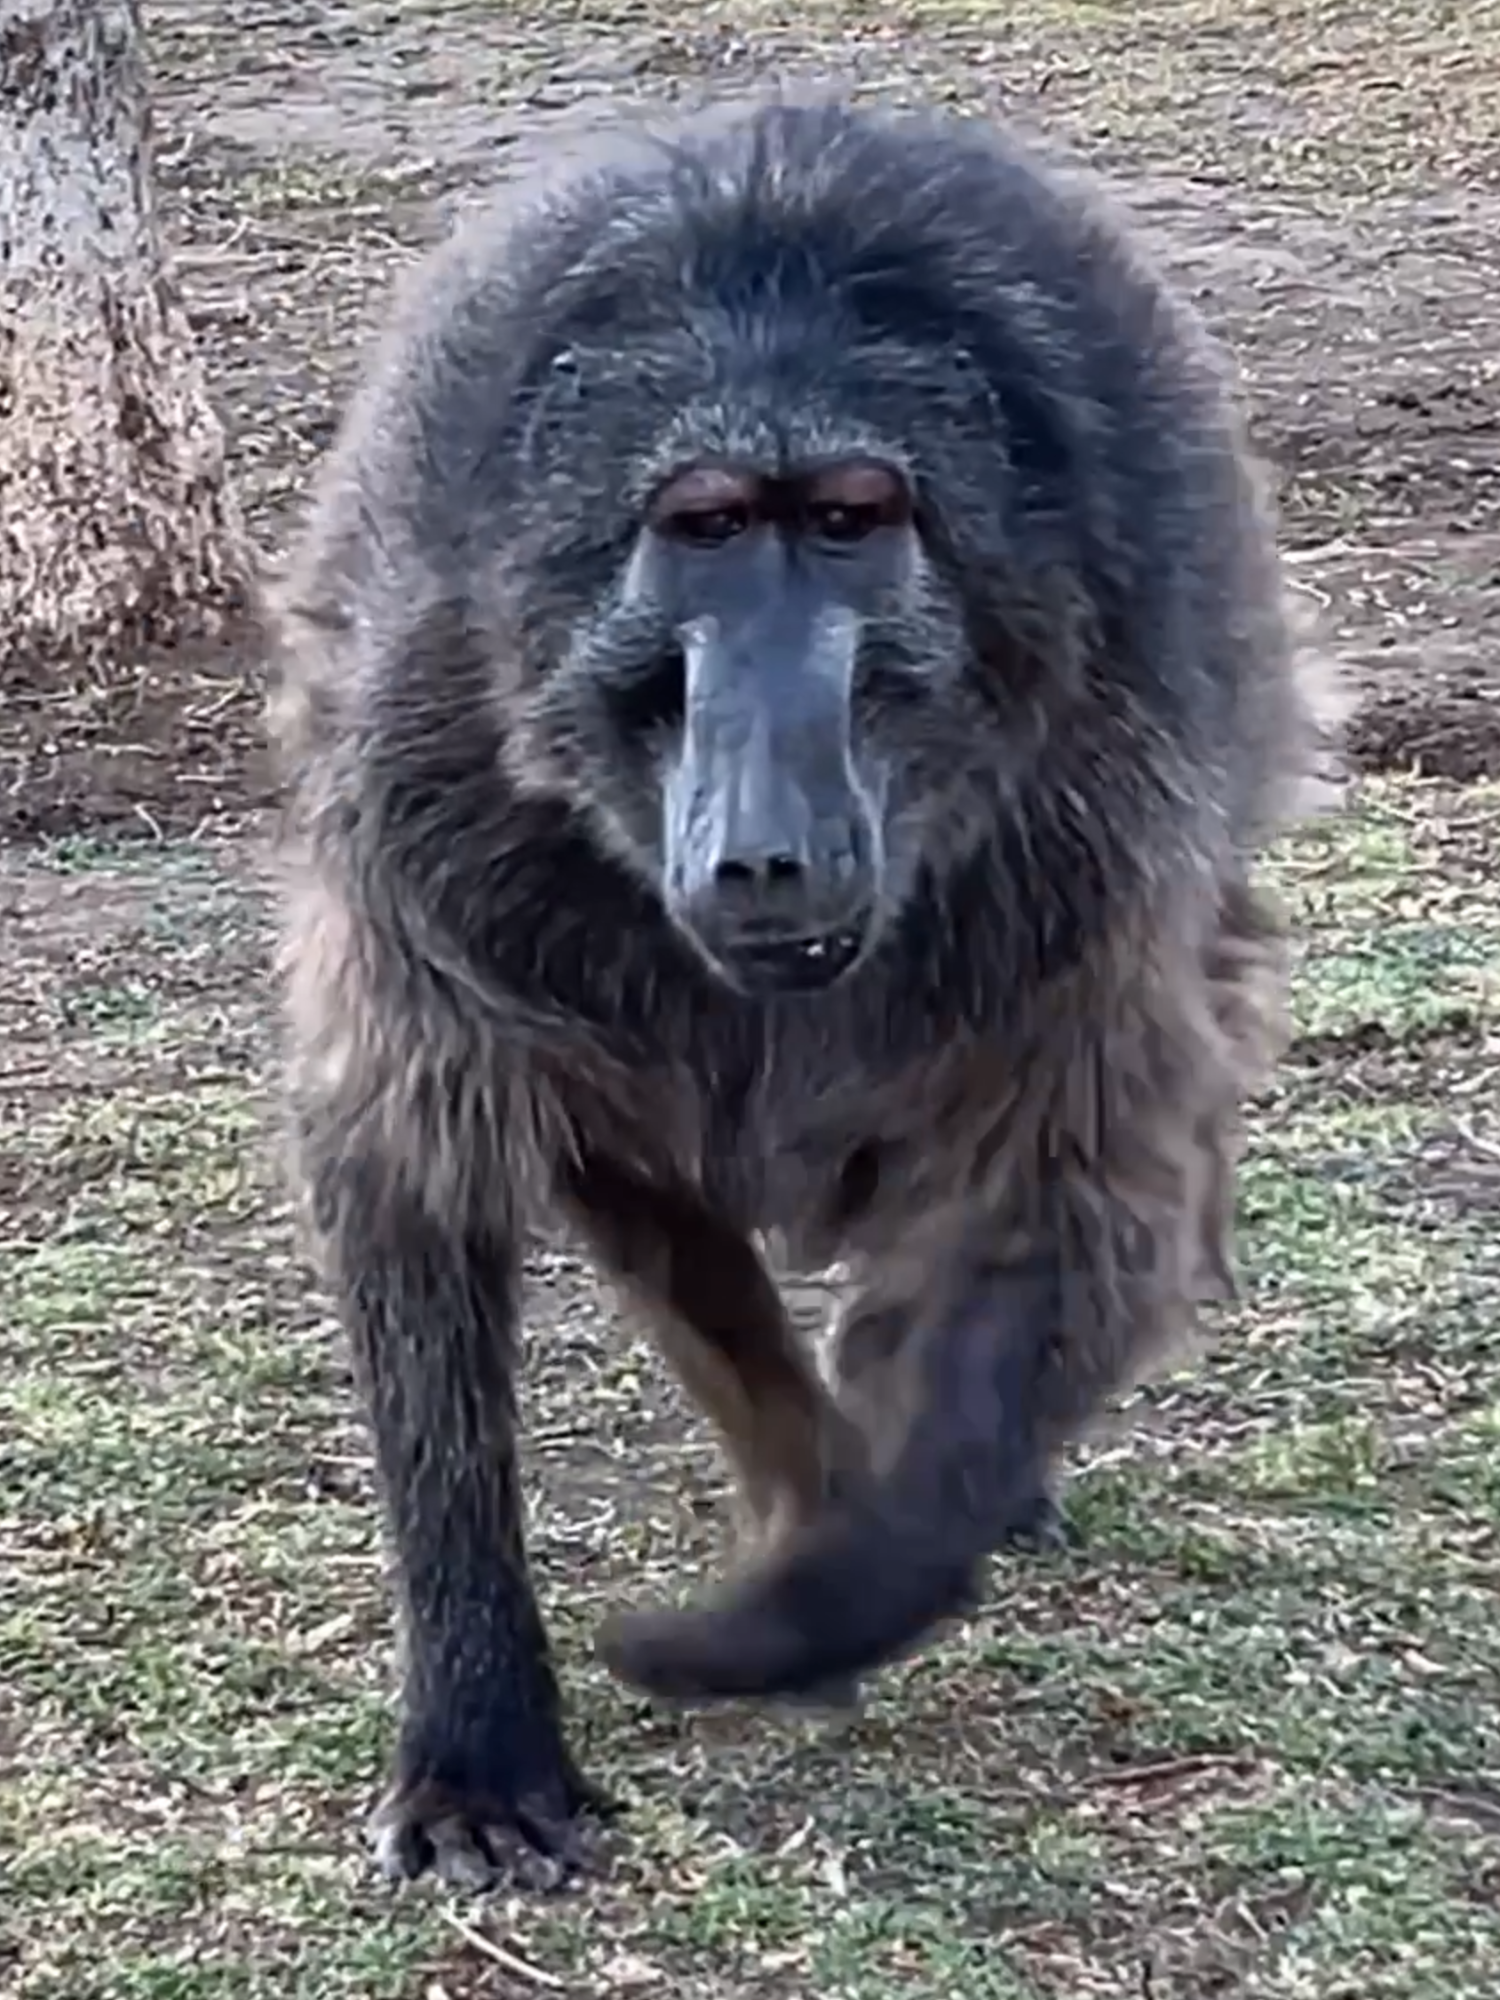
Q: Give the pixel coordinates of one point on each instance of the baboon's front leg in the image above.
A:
(719, 1318)
(483, 1781)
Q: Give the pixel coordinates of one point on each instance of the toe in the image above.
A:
(468, 1858)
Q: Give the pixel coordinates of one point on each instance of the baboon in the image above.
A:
(780, 690)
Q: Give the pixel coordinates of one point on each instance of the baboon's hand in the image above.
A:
(519, 1812)
(856, 1590)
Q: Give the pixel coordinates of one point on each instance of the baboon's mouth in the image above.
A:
(806, 964)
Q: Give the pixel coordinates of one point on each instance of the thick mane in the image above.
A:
(1063, 410)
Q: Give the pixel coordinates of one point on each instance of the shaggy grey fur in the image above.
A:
(1015, 1121)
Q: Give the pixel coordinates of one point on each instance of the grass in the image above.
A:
(1248, 1742)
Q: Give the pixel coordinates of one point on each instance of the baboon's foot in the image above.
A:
(857, 1590)
(1041, 1526)
(522, 1813)
(841, 1697)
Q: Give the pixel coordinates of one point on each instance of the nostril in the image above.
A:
(738, 874)
(778, 870)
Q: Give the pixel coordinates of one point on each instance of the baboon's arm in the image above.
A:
(483, 1775)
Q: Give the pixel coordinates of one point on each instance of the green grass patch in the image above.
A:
(1248, 1738)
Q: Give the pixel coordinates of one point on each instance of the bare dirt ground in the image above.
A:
(1246, 1743)
(1324, 178)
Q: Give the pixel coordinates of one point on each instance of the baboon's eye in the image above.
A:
(707, 525)
(833, 522)
(706, 505)
(847, 502)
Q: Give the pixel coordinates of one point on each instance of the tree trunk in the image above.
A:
(119, 534)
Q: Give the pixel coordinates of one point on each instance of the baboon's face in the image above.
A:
(738, 715)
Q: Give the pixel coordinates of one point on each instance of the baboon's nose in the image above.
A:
(781, 920)
(777, 870)
(768, 892)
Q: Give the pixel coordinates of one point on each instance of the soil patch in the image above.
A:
(1352, 265)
